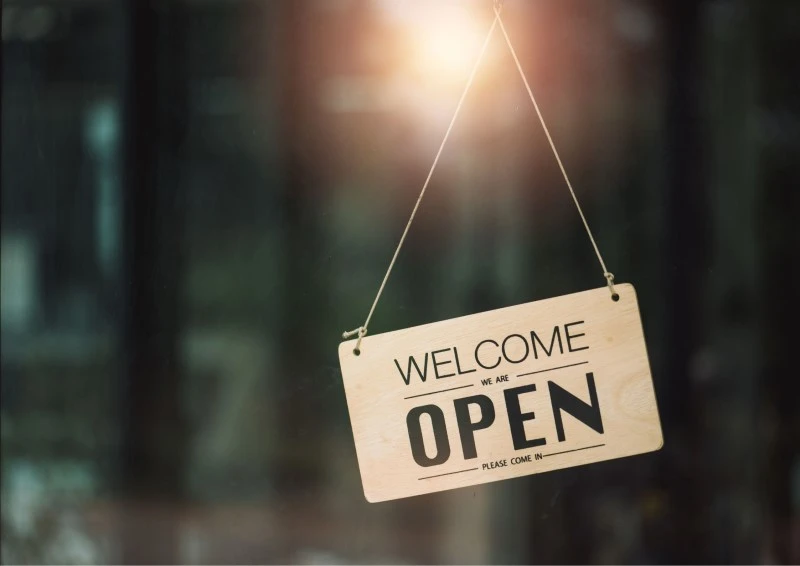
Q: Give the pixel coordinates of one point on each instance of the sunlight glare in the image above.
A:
(445, 41)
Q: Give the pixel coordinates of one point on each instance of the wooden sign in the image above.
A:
(515, 391)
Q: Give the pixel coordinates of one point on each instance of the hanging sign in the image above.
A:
(511, 392)
(507, 393)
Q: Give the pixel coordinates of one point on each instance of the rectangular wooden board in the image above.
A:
(516, 391)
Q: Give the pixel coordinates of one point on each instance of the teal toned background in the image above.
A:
(199, 196)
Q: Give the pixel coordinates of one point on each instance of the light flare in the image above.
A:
(442, 38)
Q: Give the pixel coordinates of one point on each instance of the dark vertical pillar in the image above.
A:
(153, 444)
(778, 54)
(302, 287)
(685, 261)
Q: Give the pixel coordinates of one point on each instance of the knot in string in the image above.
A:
(350, 333)
(361, 331)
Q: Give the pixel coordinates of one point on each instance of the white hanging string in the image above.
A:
(607, 274)
(361, 331)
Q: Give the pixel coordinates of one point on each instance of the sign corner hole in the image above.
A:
(615, 297)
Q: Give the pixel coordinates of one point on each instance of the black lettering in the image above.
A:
(527, 348)
(478, 347)
(516, 418)
(466, 428)
(571, 336)
(458, 365)
(412, 361)
(535, 339)
(437, 364)
(439, 435)
(588, 414)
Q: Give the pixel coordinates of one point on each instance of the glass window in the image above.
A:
(199, 196)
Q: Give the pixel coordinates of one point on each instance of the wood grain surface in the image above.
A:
(516, 391)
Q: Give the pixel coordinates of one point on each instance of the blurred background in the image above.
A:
(199, 196)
